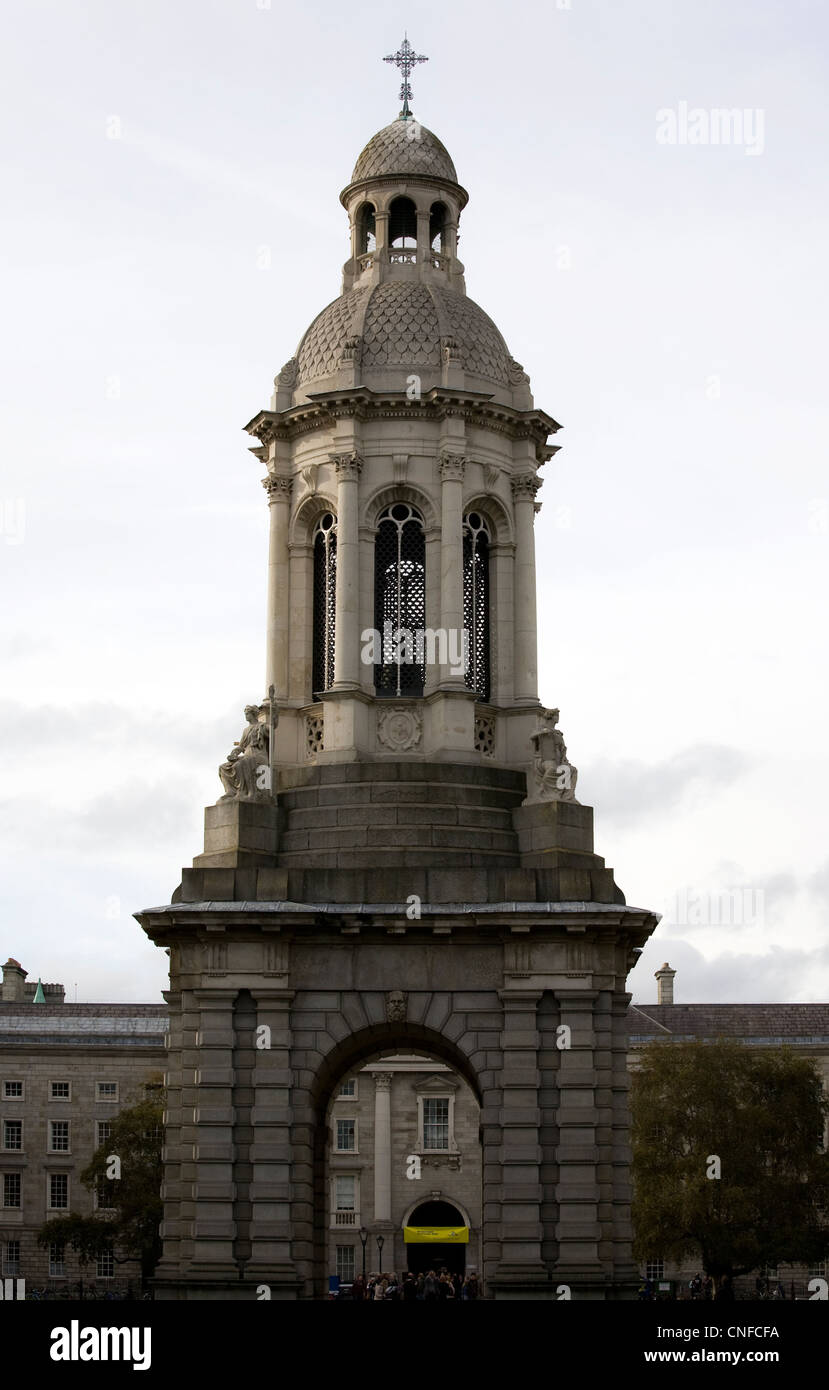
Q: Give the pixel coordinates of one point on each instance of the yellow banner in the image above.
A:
(438, 1235)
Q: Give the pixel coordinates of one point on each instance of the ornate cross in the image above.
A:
(405, 58)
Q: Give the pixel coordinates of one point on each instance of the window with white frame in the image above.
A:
(106, 1264)
(348, 1090)
(103, 1129)
(57, 1260)
(345, 1263)
(655, 1269)
(59, 1136)
(436, 1122)
(345, 1132)
(11, 1257)
(12, 1134)
(345, 1192)
(818, 1271)
(771, 1272)
(12, 1090)
(106, 1090)
(60, 1090)
(58, 1191)
(11, 1190)
(103, 1194)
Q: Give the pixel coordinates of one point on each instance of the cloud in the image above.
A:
(632, 791)
(778, 975)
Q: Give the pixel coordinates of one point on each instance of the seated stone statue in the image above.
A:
(246, 772)
(555, 777)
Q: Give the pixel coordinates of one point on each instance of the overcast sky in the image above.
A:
(172, 225)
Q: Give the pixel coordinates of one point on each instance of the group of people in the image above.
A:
(703, 1288)
(431, 1286)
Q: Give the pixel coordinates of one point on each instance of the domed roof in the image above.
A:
(404, 147)
(401, 324)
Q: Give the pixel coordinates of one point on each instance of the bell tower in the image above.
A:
(398, 860)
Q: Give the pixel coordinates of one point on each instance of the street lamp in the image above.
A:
(363, 1239)
(380, 1244)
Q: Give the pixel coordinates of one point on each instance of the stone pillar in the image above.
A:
(270, 1153)
(423, 247)
(451, 557)
(211, 1099)
(172, 1227)
(579, 1229)
(279, 501)
(347, 633)
(521, 1265)
(524, 488)
(382, 1146)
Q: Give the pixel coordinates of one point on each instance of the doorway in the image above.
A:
(436, 1255)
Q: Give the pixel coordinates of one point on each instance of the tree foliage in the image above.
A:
(761, 1112)
(133, 1201)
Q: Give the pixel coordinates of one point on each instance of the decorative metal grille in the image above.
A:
(400, 602)
(325, 592)
(476, 602)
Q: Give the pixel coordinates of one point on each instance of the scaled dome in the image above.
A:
(401, 324)
(393, 150)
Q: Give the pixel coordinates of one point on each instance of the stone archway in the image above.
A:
(359, 1049)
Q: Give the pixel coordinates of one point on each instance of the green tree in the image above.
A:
(135, 1139)
(761, 1112)
(132, 1201)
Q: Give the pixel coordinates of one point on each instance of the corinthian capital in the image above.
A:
(277, 488)
(382, 1080)
(451, 467)
(525, 486)
(348, 467)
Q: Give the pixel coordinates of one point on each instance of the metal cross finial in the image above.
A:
(405, 58)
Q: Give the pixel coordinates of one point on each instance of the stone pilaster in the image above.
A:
(279, 504)
(347, 635)
(211, 1096)
(521, 1264)
(524, 489)
(271, 1260)
(451, 555)
(382, 1147)
(578, 1231)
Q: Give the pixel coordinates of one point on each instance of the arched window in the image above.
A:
(437, 227)
(402, 223)
(400, 601)
(476, 602)
(325, 589)
(366, 230)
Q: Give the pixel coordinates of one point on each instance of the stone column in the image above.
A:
(524, 488)
(451, 558)
(270, 1153)
(422, 237)
(211, 1099)
(521, 1266)
(579, 1157)
(279, 501)
(347, 633)
(382, 1146)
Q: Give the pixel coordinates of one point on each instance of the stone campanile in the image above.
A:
(398, 861)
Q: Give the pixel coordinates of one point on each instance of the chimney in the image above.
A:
(665, 984)
(14, 981)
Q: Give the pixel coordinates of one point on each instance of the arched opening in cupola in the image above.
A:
(366, 230)
(438, 214)
(400, 602)
(402, 224)
(476, 603)
(325, 590)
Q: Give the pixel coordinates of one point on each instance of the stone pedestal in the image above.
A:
(239, 833)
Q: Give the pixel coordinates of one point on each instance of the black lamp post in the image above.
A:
(363, 1239)
(380, 1244)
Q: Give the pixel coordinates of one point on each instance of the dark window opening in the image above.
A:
(325, 593)
(402, 223)
(437, 227)
(366, 230)
(476, 603)
(400, 602)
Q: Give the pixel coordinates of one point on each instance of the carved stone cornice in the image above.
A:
(347, 467)
(525, 486)
(452, 467)
(277, 487)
